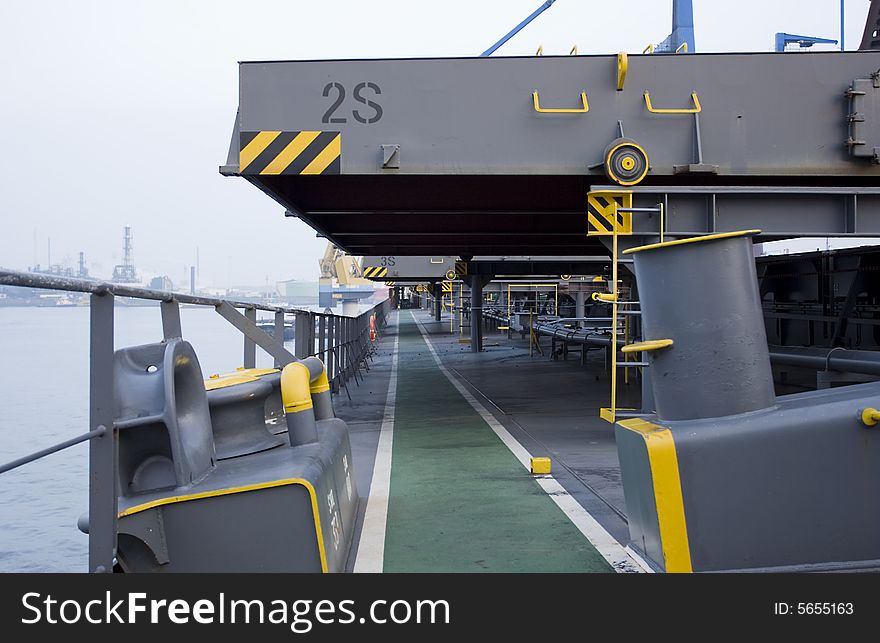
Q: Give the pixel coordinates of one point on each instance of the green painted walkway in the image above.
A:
(460, 501)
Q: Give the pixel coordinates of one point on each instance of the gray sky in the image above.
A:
(120, 112)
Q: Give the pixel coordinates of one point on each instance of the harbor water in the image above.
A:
(44, 397)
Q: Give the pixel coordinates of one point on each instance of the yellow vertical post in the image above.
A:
(614, 317)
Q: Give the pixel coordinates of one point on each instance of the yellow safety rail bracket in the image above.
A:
(682, 49)
(622, 69)
(650, 345)
(603, 217)
(697, 108)
(564, 110)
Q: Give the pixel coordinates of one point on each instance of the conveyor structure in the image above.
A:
(607, 155)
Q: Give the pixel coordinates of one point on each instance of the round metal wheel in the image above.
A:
(626, 163)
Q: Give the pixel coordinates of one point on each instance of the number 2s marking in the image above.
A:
(359, 97)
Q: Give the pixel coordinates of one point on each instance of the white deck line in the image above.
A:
(371, 547)
(610, 549)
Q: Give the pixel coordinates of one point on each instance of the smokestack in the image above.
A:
(192, 280)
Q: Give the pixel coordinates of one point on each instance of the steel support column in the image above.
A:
(476, 313)
(103, 496)
(438, 300)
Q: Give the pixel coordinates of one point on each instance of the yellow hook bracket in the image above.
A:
(697, 108)
(564, 110)
(622, 69)
(604, 296)
(870, 416)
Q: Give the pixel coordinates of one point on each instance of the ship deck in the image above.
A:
(442, 438)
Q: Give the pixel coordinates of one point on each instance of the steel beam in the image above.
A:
(254, 336)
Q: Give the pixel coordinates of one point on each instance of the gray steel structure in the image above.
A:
(823, 298)
(425, 268)
(478, 170)
(729, 477)
(871, 37)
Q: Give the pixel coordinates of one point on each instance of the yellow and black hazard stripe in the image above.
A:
(461, 268)
(601, 215)
(273, 153)
(375, 272)
(390, 284)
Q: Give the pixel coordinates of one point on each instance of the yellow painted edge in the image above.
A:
(679, 242)
(298, 405)
(650, 345)
(295, 394)
(667, 493)
(252, 487)
(239, 376)
(321, 383)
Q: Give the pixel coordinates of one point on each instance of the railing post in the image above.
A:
(322, 341)
(170, 319)
(103, 497)
(279, 333)
(250, 346)
(304, 330)
(331, 338)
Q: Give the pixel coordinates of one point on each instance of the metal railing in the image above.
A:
(343, 343)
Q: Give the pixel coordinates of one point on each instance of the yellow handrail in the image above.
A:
(697, 108)
(556, 110)
(649, 49)
(574, 51)
(682, 49)
(646, 346)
